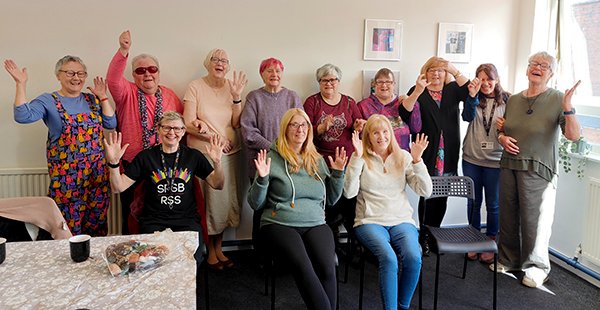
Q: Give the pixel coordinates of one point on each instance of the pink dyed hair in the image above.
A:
(269, 62)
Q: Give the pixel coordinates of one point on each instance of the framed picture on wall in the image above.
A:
(368, 76)
(454, 42)
(383, 40)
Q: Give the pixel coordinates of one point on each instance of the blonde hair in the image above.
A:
(309, 156)
(211, 54)
(378, 122)
(436, 62)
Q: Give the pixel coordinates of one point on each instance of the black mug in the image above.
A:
(2, 250)
(80, 247)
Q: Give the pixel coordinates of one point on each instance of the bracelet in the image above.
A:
(458, 74)
(111, 165)
(237, 101)
(104, 99)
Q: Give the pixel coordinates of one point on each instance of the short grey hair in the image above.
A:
(61, 62)
(328, 69)
(211, 54)
(143, 56)
(170, 116)
(545, 56)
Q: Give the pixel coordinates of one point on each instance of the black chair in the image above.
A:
(204, 269)
(457, 239)
(270, 271)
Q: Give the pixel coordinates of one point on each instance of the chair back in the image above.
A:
(452, 186)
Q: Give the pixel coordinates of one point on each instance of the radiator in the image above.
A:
(591, 238)
(34, 182)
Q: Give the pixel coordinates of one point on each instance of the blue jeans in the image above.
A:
(389, 244)
(488, 179)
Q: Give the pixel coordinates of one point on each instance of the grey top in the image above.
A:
(481, 146)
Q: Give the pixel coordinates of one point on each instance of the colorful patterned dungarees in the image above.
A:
(77, 167)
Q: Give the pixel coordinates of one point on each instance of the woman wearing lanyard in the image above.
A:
(481, 151)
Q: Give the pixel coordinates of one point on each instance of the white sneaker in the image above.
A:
(503, 269)
(534, 277)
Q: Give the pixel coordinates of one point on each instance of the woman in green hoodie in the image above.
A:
(292, 185)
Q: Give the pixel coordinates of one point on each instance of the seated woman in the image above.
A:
(167, 169)
(293, 186)
(378, 173)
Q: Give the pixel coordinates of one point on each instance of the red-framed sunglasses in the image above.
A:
(142, 70)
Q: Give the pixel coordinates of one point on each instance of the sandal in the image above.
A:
(227, 263)
(487, 257)
(472, 256)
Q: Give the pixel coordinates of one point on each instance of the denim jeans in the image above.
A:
(389, 244)
(488, 179)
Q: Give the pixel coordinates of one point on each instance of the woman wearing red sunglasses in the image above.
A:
(139, 106)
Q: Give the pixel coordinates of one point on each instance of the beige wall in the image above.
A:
(304, 34)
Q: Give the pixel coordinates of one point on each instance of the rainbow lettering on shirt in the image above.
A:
(160, 175)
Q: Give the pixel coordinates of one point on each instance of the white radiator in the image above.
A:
(34, 182)
(591, 238)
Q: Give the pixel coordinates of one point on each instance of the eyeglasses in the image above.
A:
(166, 129)
(433, 70)
(542, 66)
(217, 60)
(142, 70)
(381, 83)
(329, 81)
(297, 126)
(71, 73)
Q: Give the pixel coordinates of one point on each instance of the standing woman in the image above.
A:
(334, 116)
(76, 163)
(260, 119)
(212, 106)
(385, 102)
(534, 119)
(439, 102)
(293, 187)
(481, 150)
(378, 172)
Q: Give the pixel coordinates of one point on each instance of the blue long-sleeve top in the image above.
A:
(44, 107)
(470, 108)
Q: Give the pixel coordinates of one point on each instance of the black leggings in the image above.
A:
(309, 251)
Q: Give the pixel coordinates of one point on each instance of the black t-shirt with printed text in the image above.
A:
(169, 199)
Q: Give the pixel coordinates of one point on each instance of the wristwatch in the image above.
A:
(572, 112)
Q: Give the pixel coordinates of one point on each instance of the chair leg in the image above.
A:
(465, 267)
(267, 271)
(349, 256)
(272, 285)
(362, 281)
(206, 294)
(437, 275)
(495, 278)
(337, 288)
(421, 288)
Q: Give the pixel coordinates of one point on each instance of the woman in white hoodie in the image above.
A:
(377, 174)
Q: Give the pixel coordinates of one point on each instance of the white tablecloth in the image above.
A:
(41, 275)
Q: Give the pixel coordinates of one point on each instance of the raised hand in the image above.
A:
(99, 88)
(125, 42)
(112, 147)
(359, 123)
(20, 76)
(238, 84)
(474, 87)
(201, 126)
(566, 102)
(340, 159)
(421, 83)
(357, 143)
(215, 149)
(262, 163)
(418, 146)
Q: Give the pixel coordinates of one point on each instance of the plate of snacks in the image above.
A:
(133, 255)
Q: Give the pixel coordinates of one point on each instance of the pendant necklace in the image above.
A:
(273, 95)
(170, 173)
(530, 103)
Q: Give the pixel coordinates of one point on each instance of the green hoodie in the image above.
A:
(295, 199)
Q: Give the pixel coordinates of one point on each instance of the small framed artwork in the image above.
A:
(368, 88)
(454, 42)
(383, 40)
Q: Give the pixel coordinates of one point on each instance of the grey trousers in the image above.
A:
(527, 203)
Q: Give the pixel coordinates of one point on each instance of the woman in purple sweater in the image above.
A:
(261, 116)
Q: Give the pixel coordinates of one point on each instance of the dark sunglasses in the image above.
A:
(142, 70)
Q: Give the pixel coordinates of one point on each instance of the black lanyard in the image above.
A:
(487, 124)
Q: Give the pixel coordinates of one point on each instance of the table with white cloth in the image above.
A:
(41, 275)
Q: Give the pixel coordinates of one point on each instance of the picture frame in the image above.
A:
(368, 76)
(383, 40)
(455, 41)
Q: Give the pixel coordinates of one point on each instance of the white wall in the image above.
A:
(303, 34)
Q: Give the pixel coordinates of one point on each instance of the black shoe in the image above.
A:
(424, 241)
